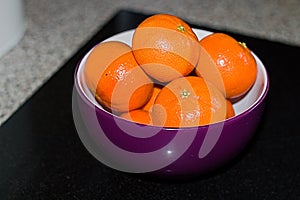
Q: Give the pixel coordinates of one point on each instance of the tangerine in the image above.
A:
(115, 78)
(165, 47)
(227, 63)
(188, 101)
(230, 109)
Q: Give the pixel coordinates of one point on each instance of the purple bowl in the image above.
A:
(165, 152)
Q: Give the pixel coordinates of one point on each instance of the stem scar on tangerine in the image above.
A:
(185, 94)
(243, 44)
(181, 28)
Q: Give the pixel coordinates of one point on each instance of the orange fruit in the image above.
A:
(139, 116)
(165, 47)
(224, 58)
(115, 78)
(188, 101)
(149, 104)
(230, 109)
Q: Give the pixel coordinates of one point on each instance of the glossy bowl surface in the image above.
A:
(165, 152)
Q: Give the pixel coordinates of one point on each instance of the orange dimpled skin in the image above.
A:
(165, 47)
(115, 78)
(187, 102)
(233, 60)
(139, 116)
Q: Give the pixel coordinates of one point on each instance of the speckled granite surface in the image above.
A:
(56, 29)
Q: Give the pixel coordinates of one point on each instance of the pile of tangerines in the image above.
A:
(168, 77)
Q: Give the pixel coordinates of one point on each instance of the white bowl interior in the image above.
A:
(253, 96)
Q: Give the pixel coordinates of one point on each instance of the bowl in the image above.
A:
(165, 152)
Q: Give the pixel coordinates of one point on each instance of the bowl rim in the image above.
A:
(253, 106)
